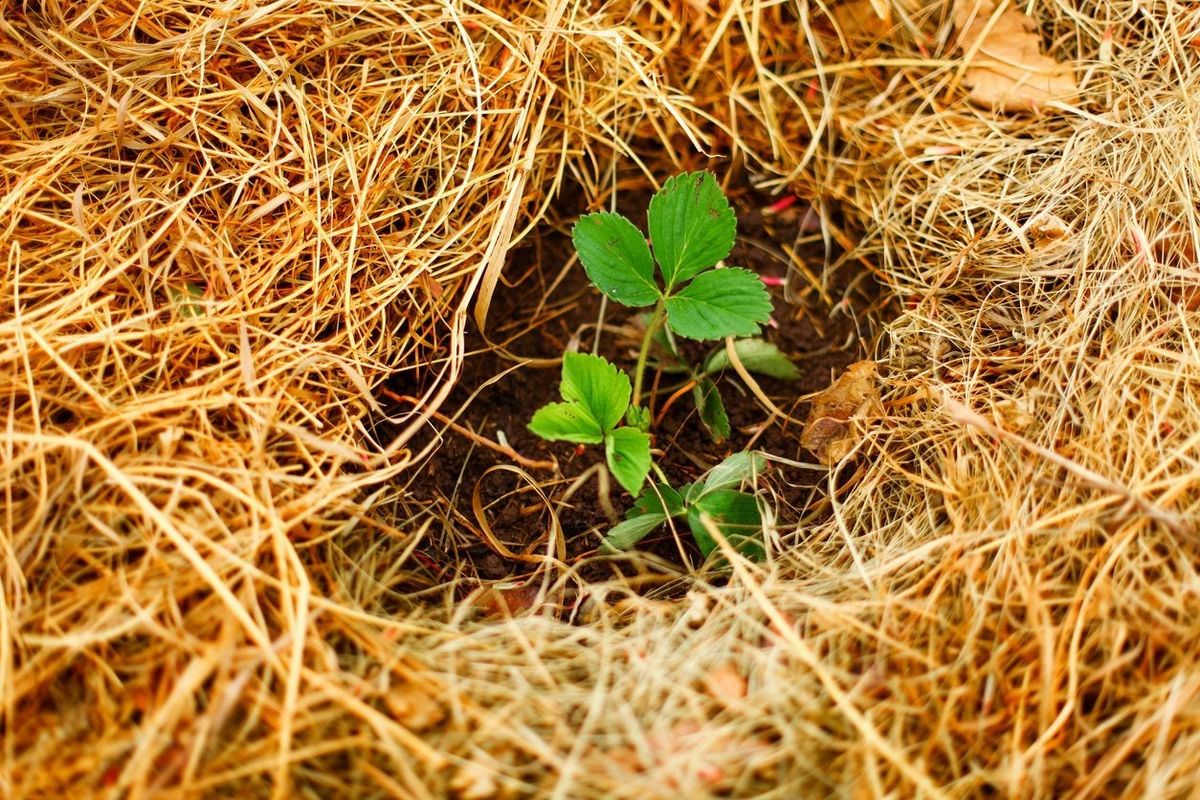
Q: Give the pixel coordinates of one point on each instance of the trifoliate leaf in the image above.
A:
(756, 355)
(628, 533)
(628, 452)
(735, 515)
(734, 471)
(616, 258)
(712, 409)
(724, 302)
(598, 386)
(692, 226)
(566, 422)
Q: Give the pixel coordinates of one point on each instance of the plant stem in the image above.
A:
(639, 372)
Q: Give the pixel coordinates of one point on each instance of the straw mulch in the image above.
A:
(224, 224)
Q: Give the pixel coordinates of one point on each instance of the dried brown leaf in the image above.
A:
(1018, 76)
(828, 433)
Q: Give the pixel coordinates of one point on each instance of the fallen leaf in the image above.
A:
(1175, 249)
(829, 433)
(1018, 77)
(506, 600)
(693, 754)
(707, 757)
(626, 758)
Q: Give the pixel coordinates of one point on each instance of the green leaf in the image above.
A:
(652, 509)
(734, 471)
(735, 515)
(756, 355)
(712, 410)
(658, 499)
(724, 302)
(566, 422)
(596, 385)
(628, 452)
(616, 258)
(628, 533)
(692, 226)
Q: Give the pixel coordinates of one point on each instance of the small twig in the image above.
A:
(662, 412)
(504, 450)
(736, 362)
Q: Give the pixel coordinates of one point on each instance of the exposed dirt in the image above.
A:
(822, 327)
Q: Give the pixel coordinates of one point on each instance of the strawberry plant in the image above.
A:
(677, 276)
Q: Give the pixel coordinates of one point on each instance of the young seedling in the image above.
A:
(595, 398)
(716, 502)
(692, 228)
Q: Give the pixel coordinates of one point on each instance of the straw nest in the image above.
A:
(225, 224)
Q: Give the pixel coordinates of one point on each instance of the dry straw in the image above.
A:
(224, 224)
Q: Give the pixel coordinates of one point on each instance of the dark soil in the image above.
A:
(538, 315)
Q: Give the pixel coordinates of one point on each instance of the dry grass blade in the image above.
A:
(224, 224)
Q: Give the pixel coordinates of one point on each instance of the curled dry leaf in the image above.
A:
(829, 433)
(1018, 76)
